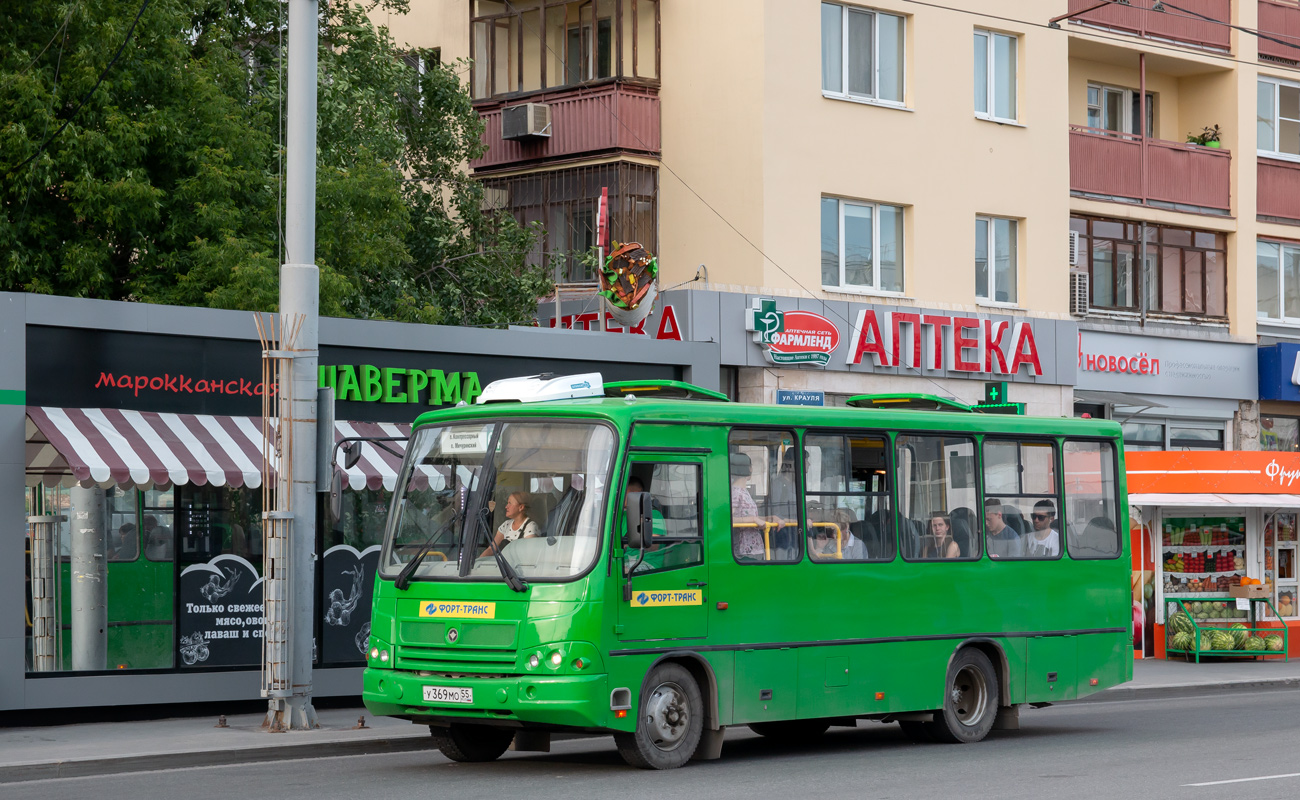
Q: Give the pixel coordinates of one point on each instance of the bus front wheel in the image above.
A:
(669, 722)
(471, 743)
(970, 702)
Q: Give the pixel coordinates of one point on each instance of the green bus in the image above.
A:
(673, 564)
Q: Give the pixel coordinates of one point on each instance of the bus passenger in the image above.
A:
(747, 541)
(1003, 542)
(517, 524)
(1043, 541)
(939, 543)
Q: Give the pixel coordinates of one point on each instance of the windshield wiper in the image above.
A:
(403, 578)
(508, 572)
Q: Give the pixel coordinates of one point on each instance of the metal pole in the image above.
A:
(1142, 123)
(300, 305)
(89, 580)
(47, 626)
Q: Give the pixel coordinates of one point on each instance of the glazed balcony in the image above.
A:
(1279, 26)
(1154, 172)
(1139, 18)
(589, 120)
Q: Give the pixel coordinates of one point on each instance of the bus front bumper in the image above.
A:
(579, 701)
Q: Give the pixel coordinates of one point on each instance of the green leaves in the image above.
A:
(165, 186)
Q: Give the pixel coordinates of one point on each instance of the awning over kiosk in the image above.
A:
(107, 446)
(1213, 478)
(1216, 500)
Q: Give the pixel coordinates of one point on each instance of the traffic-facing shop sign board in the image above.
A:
(1146, 364)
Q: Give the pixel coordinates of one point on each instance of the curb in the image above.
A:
(1175, 690)
(116, 765)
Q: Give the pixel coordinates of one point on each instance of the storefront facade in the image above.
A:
(1177, 393)
(771, 345)
(151, 417)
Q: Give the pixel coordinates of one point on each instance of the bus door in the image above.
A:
(669, 579)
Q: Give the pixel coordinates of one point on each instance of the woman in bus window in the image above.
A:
(939, 542)
(748, 540)
(517, 524)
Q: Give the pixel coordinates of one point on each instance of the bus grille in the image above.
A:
(493, 661)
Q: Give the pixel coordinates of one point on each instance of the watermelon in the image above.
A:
(1239, 634)
(1222, 640)
(1182, 641)
(1181, 623)
(1273, 642)
(1254, 643)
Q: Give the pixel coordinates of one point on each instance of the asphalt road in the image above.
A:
(1090, 750)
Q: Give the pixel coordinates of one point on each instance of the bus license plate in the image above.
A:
(449, 694)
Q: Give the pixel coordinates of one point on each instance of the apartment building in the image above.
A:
(879, 192)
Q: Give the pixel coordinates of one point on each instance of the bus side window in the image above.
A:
(936, 497)
(846, 492)
(1091, 500)
(1021, 504)
(763, 472)
(676, 512)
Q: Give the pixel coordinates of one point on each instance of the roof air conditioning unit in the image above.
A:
(1078, 293)
(1076, 249)
(528, 121)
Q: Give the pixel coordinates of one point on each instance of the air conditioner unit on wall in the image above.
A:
(527, 121)
(1076, 249)
(1079, 293)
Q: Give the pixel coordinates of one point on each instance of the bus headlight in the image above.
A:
(533, 661)
(374, 653)
(383, 656)
(556, 658)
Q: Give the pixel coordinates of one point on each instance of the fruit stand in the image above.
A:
(1190, 632)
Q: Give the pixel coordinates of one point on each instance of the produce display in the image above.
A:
(1202, 555)
(1188, 618)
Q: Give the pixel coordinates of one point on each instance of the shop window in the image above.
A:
(937, 497)
(1279, 434)
(1202, 554)
(527, 45)
(1143, 436)
(846, 494)
(1280, 568)
(1195, 438)
(1185, 269)
(764, 496)
(676, 539)
(1021, 507)
(1091, 500)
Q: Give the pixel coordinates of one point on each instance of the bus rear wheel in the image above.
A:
(798, 730)
(669, 722)
(472, 743)
(970, 702)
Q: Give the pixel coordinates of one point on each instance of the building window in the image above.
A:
(1152, 436)
(995, 259)
(1111, 108)
(1143, 436)
(995, 76)
(530, 45)
(1277, 118)
(862, 54)
(862, 245)
(1277, 281)
(1279, 434)
(565, 201)
(1186, 270)
(1195, 438)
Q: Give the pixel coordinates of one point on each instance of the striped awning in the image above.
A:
(144, 449)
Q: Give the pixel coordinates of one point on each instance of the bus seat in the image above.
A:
(1014, 519)
(1098, 539)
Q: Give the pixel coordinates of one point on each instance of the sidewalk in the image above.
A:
(102, 748)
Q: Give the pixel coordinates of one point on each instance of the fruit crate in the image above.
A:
(1196, 637)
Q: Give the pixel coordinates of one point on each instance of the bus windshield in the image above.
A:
(539, 500)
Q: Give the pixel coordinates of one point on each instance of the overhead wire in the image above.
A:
(15, 76)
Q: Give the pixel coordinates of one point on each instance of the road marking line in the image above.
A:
(1246, 780)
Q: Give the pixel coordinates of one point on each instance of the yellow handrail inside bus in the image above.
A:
(839, 541)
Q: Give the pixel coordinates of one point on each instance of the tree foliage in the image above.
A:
(165, 186)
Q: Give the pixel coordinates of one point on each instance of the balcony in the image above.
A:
(1279, 19)
(589, 120)
(1278, 189)
(1184, 27)
(1183, 177)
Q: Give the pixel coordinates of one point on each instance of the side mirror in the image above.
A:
(336, 497)
(351, 454)
(639, 520)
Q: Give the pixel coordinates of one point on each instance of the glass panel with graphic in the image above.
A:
(1280, 568)
(350, 560)
(1203, 556)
